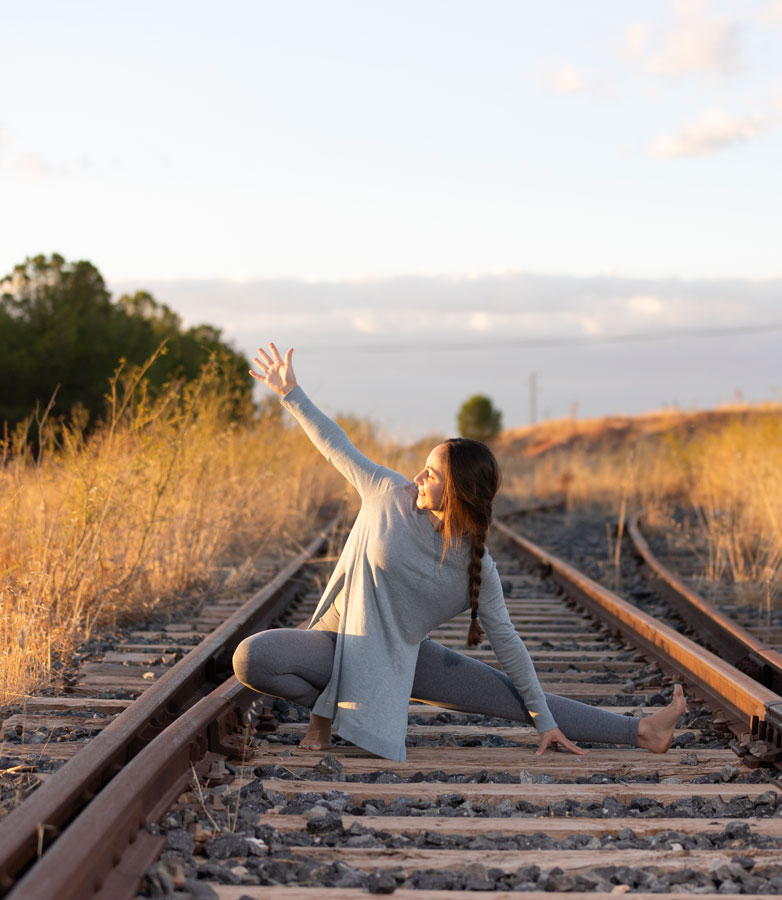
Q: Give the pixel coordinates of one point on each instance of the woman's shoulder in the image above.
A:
(487, 562)
(392, 492)
(393, 484)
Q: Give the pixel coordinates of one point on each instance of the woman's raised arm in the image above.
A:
(366, 476)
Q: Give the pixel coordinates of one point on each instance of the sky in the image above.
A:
(427, 199)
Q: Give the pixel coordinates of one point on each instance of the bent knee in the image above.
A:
(241, 662)
(260, 658)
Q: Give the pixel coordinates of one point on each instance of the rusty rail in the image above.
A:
(104, 849)
(734, 643)
(44, 815)
(751, 707)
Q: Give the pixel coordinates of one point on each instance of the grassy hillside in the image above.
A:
(724, 466)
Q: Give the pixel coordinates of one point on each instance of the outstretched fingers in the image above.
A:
(266, 358)
(263, 369)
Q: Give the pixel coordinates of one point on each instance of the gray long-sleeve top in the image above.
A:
(394, 592)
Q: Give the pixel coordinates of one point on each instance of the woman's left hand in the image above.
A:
(557, 741)
(276, 372)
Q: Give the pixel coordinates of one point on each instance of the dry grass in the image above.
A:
(723, 466)
(103, 529)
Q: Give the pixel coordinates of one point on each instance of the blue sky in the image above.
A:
(338, 173)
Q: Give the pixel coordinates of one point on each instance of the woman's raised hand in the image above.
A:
(557, 740)
(275, 372)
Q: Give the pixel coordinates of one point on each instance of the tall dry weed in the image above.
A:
(726, 471)
(101, 528)
(737, 493)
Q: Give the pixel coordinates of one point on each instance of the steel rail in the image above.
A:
(728, 638)
(104, 850)
(751, 707)
(44, 814)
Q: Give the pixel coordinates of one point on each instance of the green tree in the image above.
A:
(186, 352)
(478, 419)
(60, 331)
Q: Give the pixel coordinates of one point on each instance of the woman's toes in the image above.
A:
(679, 699)
(315, 743)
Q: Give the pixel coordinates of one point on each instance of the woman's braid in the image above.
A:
(475, 634)
(472, 480)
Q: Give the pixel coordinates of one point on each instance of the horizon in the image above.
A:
(694, 343)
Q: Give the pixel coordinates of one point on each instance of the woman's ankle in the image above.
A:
(319, 721)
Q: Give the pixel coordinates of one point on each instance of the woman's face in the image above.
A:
(431, 480)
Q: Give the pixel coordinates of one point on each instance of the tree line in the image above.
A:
(63, 335)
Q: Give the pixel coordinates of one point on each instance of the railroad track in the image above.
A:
(745, 646)
(472, 808)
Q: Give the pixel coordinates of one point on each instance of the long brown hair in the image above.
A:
(472, 478)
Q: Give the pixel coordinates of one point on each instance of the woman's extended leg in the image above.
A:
(447, 678)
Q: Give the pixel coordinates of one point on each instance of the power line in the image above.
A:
(562, 341)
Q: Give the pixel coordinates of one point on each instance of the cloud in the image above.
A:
(635, 40)
(480, 321)
(568, 81)
(440, 310)
(647, 304)
(365, 323)
(591, 325)
(772, 13)
(33, 168)
(713, 131)
(698, 42)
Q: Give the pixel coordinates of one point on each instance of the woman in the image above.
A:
(414, 559)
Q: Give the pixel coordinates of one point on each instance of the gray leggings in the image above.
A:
(295, 665)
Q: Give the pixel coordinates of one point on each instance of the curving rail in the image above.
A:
(733, 642)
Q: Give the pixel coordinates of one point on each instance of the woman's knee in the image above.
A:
(261, 659)
(255, 659)
(242, 664)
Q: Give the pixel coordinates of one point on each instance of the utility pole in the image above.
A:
(533, 398)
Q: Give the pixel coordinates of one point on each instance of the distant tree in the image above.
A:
(60, 331)
(186, 352)
(478, 419)
(57, 327)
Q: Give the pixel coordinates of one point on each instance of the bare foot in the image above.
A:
(318, 736)
(655, 732)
